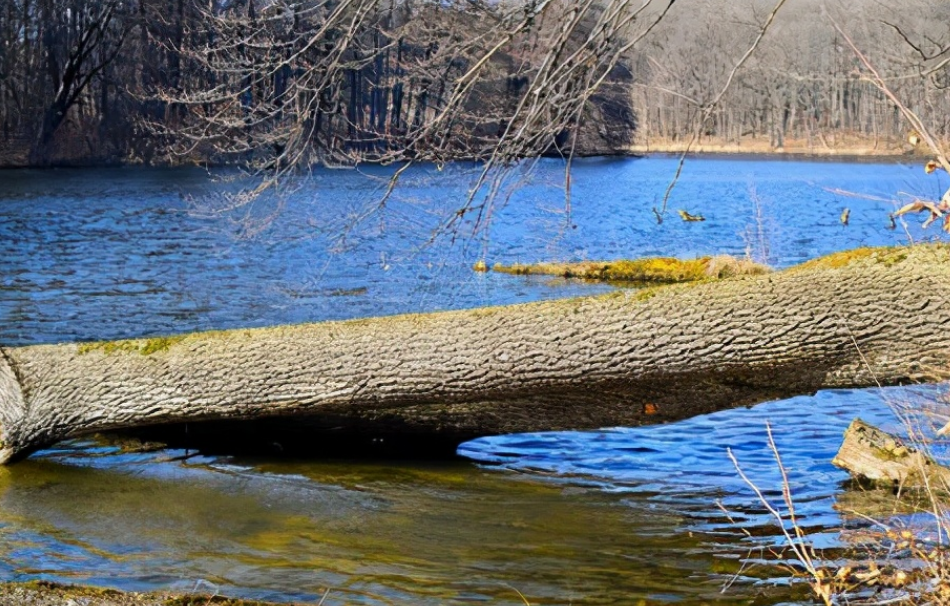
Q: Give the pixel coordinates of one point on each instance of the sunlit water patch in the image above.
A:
(415, 533)
(580, 517)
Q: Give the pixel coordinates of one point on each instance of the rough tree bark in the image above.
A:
(628, 358)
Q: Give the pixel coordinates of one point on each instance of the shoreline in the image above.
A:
(844, 158)
(753, 150)
(48, 593)
(732, 150)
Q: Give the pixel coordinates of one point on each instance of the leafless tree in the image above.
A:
(279, 86)
(285, 85)
(72, 75)
(53, 52)
(802, 87)
(921, 128)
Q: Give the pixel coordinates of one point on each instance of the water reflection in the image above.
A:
(614, 516)
(414, 533)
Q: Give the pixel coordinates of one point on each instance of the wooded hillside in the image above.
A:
(281, 82)
(803, 85)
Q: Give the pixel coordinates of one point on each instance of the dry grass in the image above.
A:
(727, 266)
(896, 536)
(832, 144)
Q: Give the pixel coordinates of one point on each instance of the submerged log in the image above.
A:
(882, 459)
(627, 358)
(653, 270)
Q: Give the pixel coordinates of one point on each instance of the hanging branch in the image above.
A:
(295, 84)
(709, 108)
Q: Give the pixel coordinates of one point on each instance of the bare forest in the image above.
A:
(280, 83)
(803, 88)
(274, 83)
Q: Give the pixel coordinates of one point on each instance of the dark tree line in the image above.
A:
(278, 84)
(281, 83)
(69, 71)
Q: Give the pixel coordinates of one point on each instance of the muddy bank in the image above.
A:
(43, 593)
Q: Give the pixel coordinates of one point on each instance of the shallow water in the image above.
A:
(614, 516)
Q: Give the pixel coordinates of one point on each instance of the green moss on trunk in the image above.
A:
(886, 255)
(145, 347)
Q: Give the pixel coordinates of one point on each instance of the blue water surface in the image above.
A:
(105, 254)
(610, 516)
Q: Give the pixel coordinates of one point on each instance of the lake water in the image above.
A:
(609, 517)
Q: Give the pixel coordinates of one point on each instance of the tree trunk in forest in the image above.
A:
(854, 319)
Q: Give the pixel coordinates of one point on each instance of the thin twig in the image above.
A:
(712, 106)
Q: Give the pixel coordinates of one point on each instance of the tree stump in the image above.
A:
(872, 455)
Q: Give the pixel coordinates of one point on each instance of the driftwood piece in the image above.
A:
(855, 319)
(872, 455)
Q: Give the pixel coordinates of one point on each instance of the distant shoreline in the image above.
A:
(788, 157)
(850, 149)
(814, 152)
(757, 150)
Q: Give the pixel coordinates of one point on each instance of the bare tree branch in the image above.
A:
(710, 107)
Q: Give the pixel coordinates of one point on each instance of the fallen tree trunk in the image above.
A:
(627, 358)
(872, 455)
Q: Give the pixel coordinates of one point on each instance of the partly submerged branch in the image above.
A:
(653, 270)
